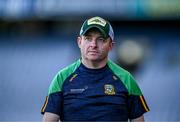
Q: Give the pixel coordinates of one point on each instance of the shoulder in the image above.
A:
(117, 70)
(127, 79)
(61, 76)
(70, 68)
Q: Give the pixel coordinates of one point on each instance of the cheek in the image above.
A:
(83, 48)
(105, 48)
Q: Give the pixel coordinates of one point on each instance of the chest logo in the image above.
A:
(109, 89)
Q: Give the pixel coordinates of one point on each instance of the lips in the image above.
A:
(92, 51)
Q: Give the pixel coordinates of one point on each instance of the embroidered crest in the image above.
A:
(97, 20)
(109, 89)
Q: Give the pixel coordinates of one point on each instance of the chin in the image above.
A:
(93, 58)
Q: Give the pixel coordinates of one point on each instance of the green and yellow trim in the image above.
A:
(144, 103)
(45, 105)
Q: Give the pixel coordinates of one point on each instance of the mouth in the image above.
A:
(93, 52)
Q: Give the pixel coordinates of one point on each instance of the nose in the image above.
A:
(94, 43)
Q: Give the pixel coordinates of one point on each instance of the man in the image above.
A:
(94, 88)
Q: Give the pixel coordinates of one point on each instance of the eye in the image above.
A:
(101, 39)
(87, 38)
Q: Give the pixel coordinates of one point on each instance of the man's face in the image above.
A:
(93, 45)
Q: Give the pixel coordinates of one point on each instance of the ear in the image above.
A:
(111, 45)
(79, 39)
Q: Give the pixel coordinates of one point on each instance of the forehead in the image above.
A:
(93, 31)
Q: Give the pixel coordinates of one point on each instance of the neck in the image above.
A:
(94, 64)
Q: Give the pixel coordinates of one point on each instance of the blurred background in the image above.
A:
(38, 38)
